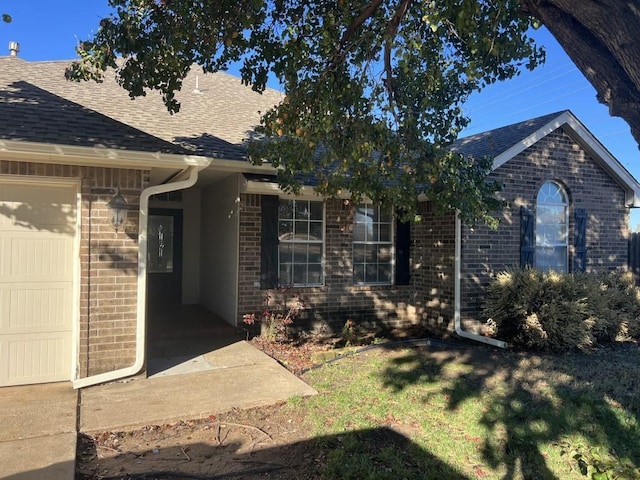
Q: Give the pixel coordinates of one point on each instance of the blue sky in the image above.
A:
(48, 30)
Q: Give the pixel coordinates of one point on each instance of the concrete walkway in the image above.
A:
(38, 432)
(40, 442)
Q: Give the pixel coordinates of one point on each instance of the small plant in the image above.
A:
(275, 318)
(350, 334)
(598, 464)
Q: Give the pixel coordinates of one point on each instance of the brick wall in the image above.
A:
(555, 157)
(427, 301)
(108, 262)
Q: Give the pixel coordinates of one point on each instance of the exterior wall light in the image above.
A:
(118, 210)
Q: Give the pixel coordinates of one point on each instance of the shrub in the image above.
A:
(275, 319)
(556, 312)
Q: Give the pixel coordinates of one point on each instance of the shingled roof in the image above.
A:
(503, 144)
(494, 142)
(39, 105)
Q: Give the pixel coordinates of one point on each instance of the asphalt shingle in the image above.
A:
(494, 142)
(39, 104)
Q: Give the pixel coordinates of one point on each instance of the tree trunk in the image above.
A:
(600, 36)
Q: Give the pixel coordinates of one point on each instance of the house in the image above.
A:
(78, 296)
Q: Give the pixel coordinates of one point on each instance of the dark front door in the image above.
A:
(164, 257)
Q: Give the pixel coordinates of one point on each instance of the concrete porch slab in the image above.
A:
(243, 377)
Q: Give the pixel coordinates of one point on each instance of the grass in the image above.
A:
(471, 412)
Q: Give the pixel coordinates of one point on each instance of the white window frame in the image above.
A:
(297, 240)
(376, 242)
(552, 202)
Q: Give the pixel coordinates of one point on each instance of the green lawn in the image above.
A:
(472, 412)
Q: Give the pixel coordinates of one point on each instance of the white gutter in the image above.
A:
(456, 281)
(142, 282)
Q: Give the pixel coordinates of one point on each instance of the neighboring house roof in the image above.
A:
(214, 119)
(506, 142)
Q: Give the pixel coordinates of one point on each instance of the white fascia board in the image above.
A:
(538, 135)
(95, 156)
(272, 188)
(606, 160)
(585, 138)
(240, 166)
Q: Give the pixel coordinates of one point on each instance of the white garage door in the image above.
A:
(37, 232)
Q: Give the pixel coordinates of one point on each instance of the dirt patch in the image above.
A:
(258, 443)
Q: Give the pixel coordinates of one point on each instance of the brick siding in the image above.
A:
(426, 301)
(556, 157)
(108, 262)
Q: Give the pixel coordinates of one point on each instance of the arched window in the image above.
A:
(552, 226)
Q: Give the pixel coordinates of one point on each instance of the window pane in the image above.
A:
(302, 210)
(300, 253)
(285, 230)
(301, 230)
(285, 210)
(315, 253)
(316, 210)
(300, 274)
(359, 232)
(286, 252)
(315, 274)
(385, 233)
(315, 231)
(286, 273)
(384, 273)
(358, 273)
(552, 258)
(358, 253)
(160, 251)
(384, 254)
(385, 215)
(370, 254)
(371, 273)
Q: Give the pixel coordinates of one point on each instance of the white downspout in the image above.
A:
(142, 282)
(456, 281)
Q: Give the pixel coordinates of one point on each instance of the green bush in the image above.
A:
(557, 312)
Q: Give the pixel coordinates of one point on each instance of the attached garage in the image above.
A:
(38, 225)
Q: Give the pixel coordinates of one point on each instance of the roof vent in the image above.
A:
(197, 89)
(14, 48)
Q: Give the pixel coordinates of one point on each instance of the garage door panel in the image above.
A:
(40, 258)
(41, 308)
(40, 358)
(25, 207)
(37, 244)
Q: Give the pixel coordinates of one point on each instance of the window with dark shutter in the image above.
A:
(526, 238)
(269, 243)
(403, 247)
(580, 241)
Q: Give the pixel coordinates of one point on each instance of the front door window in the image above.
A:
(160, 250)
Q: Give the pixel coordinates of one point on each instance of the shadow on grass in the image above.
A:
(533, 400)
(376, 453)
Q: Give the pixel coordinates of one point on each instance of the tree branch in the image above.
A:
(358, 21)
(596, 59)
(390, 33)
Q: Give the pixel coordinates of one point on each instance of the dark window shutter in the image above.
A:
(403, 252)
(527, 247)
(269, 242)
(580, 241)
